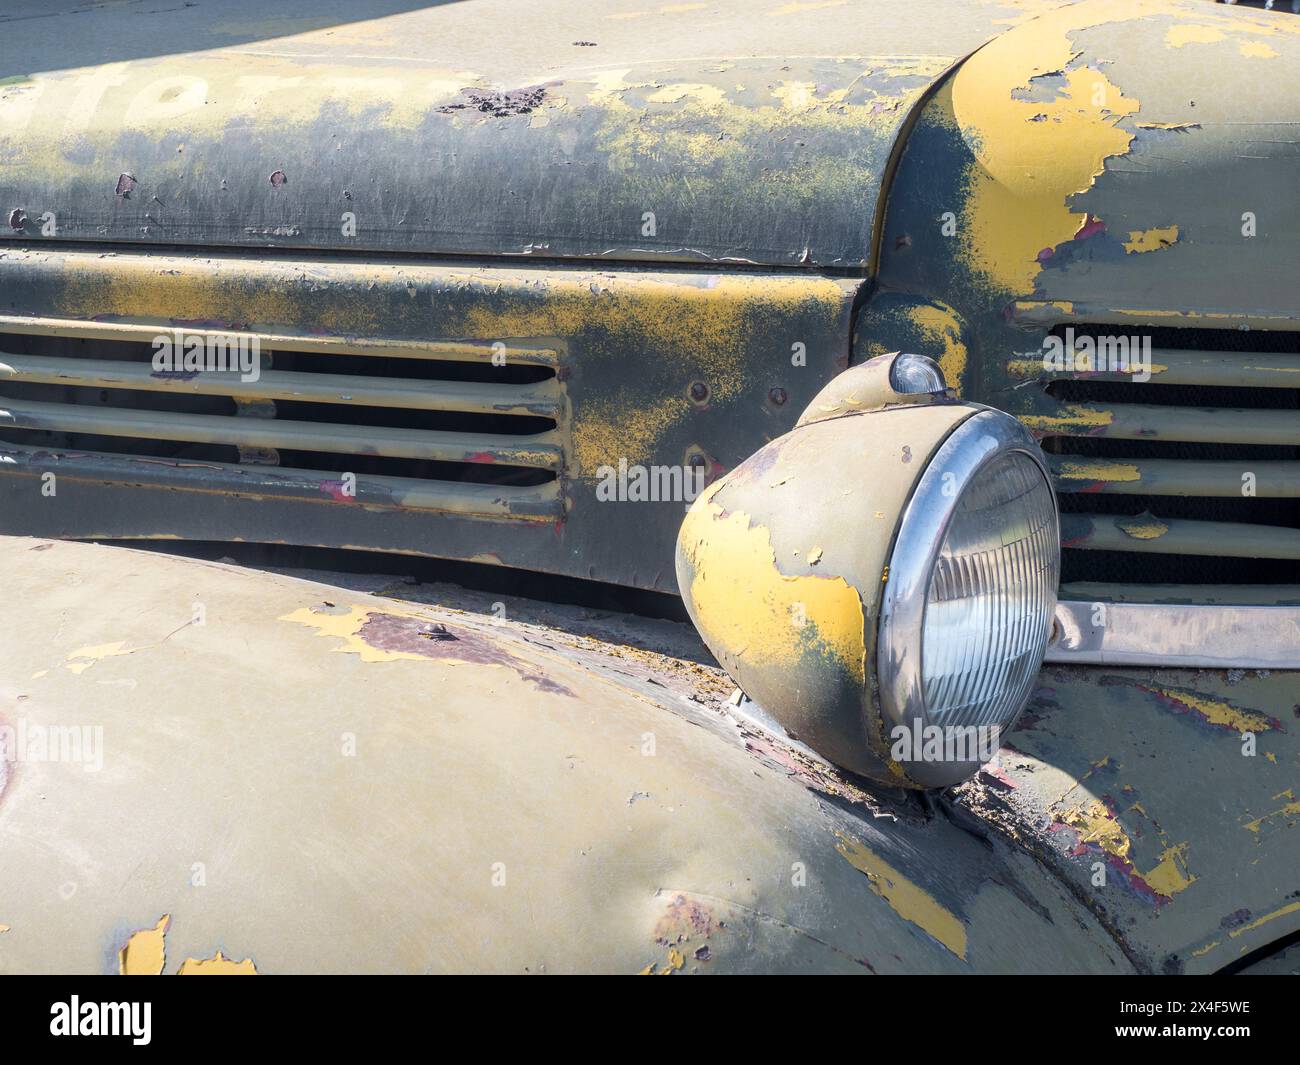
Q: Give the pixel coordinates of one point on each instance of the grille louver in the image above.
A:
(462, 426)
(1191, 477)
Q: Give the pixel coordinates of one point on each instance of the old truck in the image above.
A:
(943, 358)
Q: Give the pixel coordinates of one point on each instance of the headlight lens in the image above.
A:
(968, 601)
(991, 596)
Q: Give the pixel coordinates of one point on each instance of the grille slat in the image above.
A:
(1172, 477)
(1137, 421)
(540, 399)
(522, 503)
(542, 451)
(1176, 366)
(1146, 534)
(480, 351)
(1185, 480)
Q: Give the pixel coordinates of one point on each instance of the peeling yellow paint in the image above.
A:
(1282, 911)
(708, 95)
(145, 952)
(1096, 824)
(909, 901)
(743, 601)
(217, 965)
(1110, 472)
(1205, 949)
(1070, 421)
(1291, 808)
(941, 326)
(1256, 50)
(347, 627)
(1032, 154)
(1218, 712)
(1170, 876)
(1193, 33)
(800, 6)
(1145, 240)
(83, 658)
(1142, 527)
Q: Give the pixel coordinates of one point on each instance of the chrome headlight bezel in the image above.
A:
(974, 444)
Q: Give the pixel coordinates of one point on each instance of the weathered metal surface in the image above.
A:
(1079, 171)
(1147, 533)
(540, 399)
(1061, 144)
(1216, 635)
(627, 345)
(1172, 366)
(1077, 473)
(519, 799)
(1137, 421)
(543, 451)
(705, 133)
(1140, 787)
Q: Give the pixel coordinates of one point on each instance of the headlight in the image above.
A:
(967, 607)
(881, 580)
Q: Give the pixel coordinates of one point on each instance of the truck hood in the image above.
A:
(686, 132)
(511, 787)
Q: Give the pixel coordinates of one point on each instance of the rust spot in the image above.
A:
(278, 178)
(777, 397)
(125, 184)
(684, 919)
(335, 490)
(1090, 228)
(17, 219)
(429, 639)
(498, 104)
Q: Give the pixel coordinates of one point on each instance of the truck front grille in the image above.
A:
(446, 425)
(1190, 478)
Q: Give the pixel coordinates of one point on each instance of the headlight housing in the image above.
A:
(881, 580)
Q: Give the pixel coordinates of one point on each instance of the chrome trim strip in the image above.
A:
(1160, 634)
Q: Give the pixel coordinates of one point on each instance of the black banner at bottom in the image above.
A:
(341, 1013)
